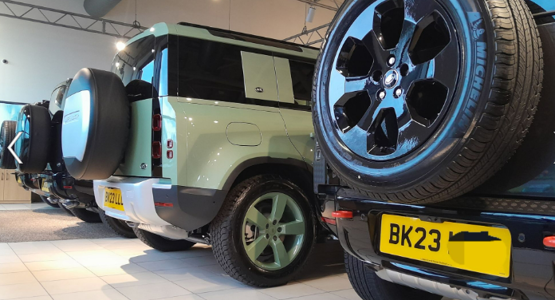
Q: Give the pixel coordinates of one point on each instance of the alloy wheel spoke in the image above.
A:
(352, 139)
(441, 67)
(415, 10)
(293, 228)
(405, 40)
(375, 48)
(279, 202)
(355, 84)
(257, 247)
(369, 116)
(255, 217)
(362, 25)
(281, 257)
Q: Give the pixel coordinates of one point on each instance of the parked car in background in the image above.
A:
(40, 167)
(434, 162)
(202, 135)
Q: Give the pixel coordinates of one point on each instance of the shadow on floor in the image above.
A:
(47, 225)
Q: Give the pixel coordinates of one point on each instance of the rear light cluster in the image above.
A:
(156, 141)
(156, 130)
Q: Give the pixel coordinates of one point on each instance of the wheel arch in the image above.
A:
(294, 169)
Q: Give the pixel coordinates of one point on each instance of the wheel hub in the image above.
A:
(390, 79)
(273, 230)
(394, 78)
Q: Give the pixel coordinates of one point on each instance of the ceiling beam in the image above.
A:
(317, 4)
(38, 14)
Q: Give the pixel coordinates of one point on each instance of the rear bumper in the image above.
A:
(532, 265)
(137, 196)
(148, 201)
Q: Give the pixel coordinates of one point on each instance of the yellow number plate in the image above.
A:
(475, 248)
(112, 199)
(45, 187)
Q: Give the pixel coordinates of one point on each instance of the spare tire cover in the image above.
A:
(7, 133)
(33, 146)
(95, 124)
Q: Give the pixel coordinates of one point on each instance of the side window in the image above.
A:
(210, 71)
(301, 74)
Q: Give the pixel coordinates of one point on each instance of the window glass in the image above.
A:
(57, 98)
(163, 85)
(147, 72)
(301, 74)
(135, 66)
(210, 71)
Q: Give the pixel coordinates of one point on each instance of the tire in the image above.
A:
(371, 287)
(65, 209)
(85, 215)
(33, 147)
(118, 226)
(45, 200)
(161, 243)
(7, 134)
(412, 151)
(94, 149)
(229, 228)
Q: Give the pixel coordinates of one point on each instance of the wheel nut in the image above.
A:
(275, 238)
(391, 61)
(267, 226)
(279, 229)
(381, 94)
(275, 222)
(267, 236)
(398, 92)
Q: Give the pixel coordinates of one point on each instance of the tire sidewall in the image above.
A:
(243, 203)
(451, 135)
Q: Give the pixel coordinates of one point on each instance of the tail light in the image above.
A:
(156, 150)
(156, 122)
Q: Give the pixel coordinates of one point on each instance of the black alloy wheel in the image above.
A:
(423, 101)
(389, 90)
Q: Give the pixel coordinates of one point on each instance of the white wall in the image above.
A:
(40, 56)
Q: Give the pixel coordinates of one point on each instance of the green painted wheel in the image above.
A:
(273, 231)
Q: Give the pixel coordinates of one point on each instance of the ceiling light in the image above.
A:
(120, 45)
(310, 14)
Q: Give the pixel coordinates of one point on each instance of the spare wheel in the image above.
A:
(95, 125)
(33, 145)
(7, 133)
(422, 101)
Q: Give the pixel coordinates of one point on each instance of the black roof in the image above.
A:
(250, 38)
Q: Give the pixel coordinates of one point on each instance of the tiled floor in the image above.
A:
(27, 206)
(118, 268)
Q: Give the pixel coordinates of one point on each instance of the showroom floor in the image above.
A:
(40, 222)
(117, 268)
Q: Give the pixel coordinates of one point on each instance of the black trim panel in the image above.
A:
(192, 207)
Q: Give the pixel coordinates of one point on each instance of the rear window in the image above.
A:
(136, 61)
(301, 74)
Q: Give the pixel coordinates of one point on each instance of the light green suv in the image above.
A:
(200, 135)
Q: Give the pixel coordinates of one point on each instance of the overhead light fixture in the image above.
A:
(310, 14)
(120, 45)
